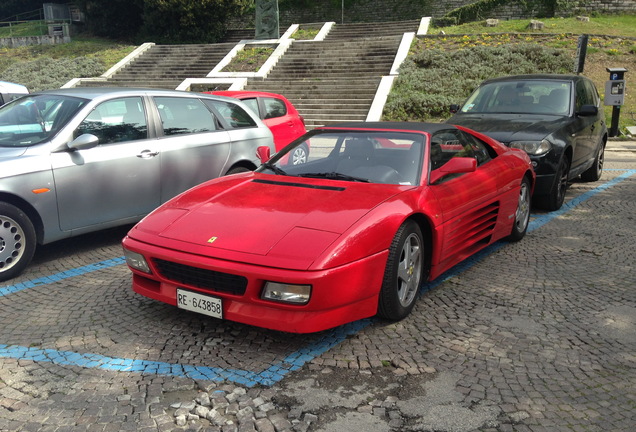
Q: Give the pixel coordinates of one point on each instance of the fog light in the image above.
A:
(287, 293)
(136, 261)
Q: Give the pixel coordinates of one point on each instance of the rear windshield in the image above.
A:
(35, 118)
(523, 97)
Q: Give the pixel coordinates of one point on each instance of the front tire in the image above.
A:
(554, 199)
(17, 241)
(594, 173)
(522, 214)
(403, 274)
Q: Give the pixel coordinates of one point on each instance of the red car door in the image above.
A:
(468, 201)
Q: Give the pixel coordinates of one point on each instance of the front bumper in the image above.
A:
(338, 296)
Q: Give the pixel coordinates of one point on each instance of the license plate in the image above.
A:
(201, 303)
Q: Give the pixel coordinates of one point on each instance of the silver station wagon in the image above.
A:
(78, 160)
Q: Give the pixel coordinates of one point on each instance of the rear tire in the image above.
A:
(522, 214)
(17, 241)
(596, 170)
(299, 155)
(403, 274)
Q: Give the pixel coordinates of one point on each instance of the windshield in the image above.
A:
(357, 156)
(35, 118)
(522, 97)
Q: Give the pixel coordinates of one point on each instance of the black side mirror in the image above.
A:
(454, 108)
(587, 110)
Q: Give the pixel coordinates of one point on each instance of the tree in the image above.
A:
(107, 20)
(188, 21)
(9, 9)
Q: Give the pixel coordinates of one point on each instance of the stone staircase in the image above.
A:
(364, 30)
(335, 80)
(166, 66)
(331, 81)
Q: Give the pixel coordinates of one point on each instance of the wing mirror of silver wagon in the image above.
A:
(84, 142)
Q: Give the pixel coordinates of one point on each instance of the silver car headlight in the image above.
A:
(535, 148)
(286, 293)
(137, 261)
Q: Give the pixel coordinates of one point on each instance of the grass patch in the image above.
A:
(249, 59)
(610, 25)
(305, 34)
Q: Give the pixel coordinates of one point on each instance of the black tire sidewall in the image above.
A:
(23, 220)
(517, 235)
(389, 305)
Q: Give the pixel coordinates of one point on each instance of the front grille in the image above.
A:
(208, 280)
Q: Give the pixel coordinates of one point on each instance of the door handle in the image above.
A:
(147, 154)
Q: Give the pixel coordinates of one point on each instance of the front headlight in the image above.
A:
(535, 148)
(136, 261)
(287, 293)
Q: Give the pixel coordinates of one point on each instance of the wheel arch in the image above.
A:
(241, 164)
(29, 210)
(427, 233)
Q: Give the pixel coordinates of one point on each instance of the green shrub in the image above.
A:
(47, 73)
(432, 79)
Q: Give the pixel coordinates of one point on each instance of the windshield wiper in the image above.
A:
(334, 176)
(274, 168)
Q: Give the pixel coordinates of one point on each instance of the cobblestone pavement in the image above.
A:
(532, 336)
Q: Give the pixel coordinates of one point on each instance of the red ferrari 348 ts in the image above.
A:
(377, 209)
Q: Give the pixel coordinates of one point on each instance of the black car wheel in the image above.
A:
(596, 170)
(403, 274)
(17, 241)
(554, 199)
(522, 215)
(299, 155)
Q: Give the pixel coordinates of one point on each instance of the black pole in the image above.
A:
(616, 113)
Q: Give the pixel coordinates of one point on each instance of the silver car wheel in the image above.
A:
(409, 270)
(12, 244)
(522, 215)
(299, 155)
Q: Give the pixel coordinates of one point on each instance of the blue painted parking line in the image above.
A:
(277, 371)
(61, 276)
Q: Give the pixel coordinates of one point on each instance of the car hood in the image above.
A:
(262, 215)
(11, 152)
(511, 127)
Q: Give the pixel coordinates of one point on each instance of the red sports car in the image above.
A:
(377, 209)
(278, 114)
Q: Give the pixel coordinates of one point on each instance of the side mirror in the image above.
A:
(454, 108)
(84, 142)
(263, 153)
(587, 111)
(457, 165)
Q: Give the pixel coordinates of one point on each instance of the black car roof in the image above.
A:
(547, 77)
(402, 126)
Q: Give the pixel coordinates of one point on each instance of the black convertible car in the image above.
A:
(556, 119)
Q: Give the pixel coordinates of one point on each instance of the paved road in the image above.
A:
(532, 336)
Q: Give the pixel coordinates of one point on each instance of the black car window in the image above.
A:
(180, 115)
(583, 96)
(274, 108)
(520, 97)
(117, 120)
(233, 114)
